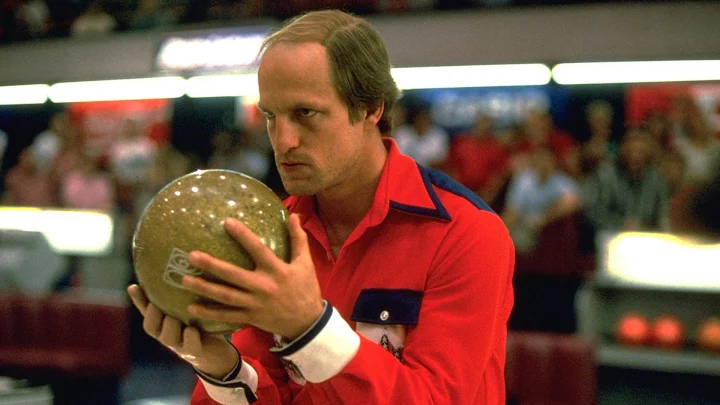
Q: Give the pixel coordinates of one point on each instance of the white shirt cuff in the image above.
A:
(236, 388)
(325, 349)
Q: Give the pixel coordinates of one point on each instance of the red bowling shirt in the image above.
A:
(418, 301)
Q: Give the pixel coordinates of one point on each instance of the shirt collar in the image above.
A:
(404, 185)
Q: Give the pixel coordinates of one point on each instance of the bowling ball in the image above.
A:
(188, 214)
(668, 332)
(633, 329)
(708, 335)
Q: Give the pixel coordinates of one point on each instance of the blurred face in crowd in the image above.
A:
(544, 163)
(422, 122)
(537, 127)
(483, 127)
(316, 145)
(26, 161)
(636, 151)
(600, 118)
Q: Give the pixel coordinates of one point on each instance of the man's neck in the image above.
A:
(341, 208)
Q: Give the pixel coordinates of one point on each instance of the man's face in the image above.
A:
(316, 147)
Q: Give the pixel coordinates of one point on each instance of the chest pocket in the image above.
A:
(383, 315)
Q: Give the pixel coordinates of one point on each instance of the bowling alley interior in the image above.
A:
(591, 127)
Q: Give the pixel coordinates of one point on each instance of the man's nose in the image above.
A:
(287, 135)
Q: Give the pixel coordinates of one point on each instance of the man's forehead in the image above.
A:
(293, 74)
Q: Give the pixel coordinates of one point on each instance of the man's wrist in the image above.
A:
(219, 368)
(307, 325)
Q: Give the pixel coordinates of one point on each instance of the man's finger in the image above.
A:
(228, 272)
(262, 255)
(298, 237)
(138, 298)
(152, 324)
(219, 293)
(171, 333)
(192, 341)
(235, 316)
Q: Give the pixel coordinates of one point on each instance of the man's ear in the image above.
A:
(372, 116)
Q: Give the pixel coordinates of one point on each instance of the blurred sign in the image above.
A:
(457, 109)
(100, 123)
(643, 99)
(216, 50)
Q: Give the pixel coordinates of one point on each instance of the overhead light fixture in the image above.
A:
(223, 85)
(406, 79)
(220, 50)
(471, 76)
(72, 232)
(661, 260)
(124, 89)
(25, 94)
(636, 72)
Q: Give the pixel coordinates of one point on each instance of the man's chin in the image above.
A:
(299, 188)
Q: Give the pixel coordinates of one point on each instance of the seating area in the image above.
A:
(550, 369)
(68, 341)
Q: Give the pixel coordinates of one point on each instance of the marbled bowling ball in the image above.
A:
(187, 215)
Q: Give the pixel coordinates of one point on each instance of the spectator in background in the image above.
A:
(681, 108)
(130, 156)
(699, 147)
(420, 138)
(226, 149)
(539, 131)
(479, 161)
(33, 18)
(26, 185)
(630, 195)
(599, 146)
(47, 143)
(167, 164)
(68, 157)
(657, 126)
(95, 21)
(537, 196)
(88, 187)
(3, 145)
(673, 167)
(151, 14)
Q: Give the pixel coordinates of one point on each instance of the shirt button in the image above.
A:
(384, 315)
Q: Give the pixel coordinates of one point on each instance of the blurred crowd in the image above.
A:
(534, 173)
(59, 169)
(22, 20)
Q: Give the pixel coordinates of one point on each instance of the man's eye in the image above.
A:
(268, 115)
(306, 112)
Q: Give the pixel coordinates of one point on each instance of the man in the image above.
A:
(630, 195)
(399, 286)
(537, 197)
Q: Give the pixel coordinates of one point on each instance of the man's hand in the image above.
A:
(212, 354)
(277, 297)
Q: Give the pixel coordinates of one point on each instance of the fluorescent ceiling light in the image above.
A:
(223, 86)
(662, 260)
(209, 52)
(127, 89)
(27, 94)
(73, 232)
(636, 72)
(471, 76)
(406, 78)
